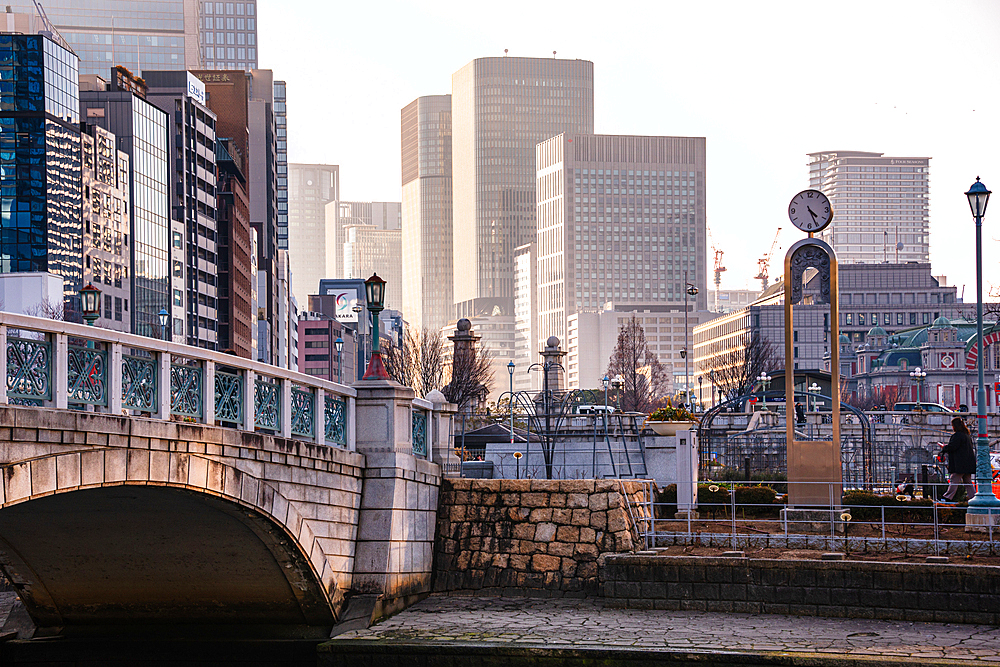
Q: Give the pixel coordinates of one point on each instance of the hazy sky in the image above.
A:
(765, 82)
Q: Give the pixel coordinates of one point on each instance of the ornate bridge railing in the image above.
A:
(50, 363)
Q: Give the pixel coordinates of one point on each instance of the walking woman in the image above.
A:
(961, 461)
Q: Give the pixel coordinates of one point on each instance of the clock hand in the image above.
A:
(811, 212)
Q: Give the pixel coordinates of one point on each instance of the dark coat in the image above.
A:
(961, 454)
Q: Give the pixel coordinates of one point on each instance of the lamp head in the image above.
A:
(604, 381)
(375, 291)
(339, 344)
(692, 290)
(510, 367)
(90, 298)
(979, 197)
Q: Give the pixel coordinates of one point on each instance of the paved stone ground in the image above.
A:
(576, 623)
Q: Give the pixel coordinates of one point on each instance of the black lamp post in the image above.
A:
(689, 290)
(510, 371)
(375, 291)
(361, 361)
(164, 321)
(339, 344)
(90, 303)
(985, 502)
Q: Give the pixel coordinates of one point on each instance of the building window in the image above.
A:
(899, 319)
(861, 319)
(913, 318)
(107, 306)
(849, 319)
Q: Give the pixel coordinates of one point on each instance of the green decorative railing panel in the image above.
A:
(139, 384)
(185, 390)
(336, 420)
(228, 397)
(29, 370)
(303, 412)
(267, 404)
(419, 432)
(87, 375)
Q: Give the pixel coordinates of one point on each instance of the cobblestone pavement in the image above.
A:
(574, 623)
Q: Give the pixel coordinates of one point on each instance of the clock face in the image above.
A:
(810, 211)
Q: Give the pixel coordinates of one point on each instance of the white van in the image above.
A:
(594, 409)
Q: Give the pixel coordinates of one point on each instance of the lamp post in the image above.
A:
(689, 290)
(360, 362)
(700, 379)
(711, 376)
(985, 502)
(813, 389)
(339, 345)
(375, 291)
(510, 401)
(90, 303)
(617, 382)
(765, 380)
(918, 374)
(164, 321)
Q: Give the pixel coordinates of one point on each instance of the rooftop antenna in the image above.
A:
(899, 246)
(553, 54)
(505, 53)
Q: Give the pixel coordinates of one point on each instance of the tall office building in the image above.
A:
(141, 129)
(193, 204)
(107, 264)
(341, 214)
(367, 250)
(427, 211)
(502, 108)
(237, 254)
(280, 110)
(154, 34)
(311, 243)
(40, 172)
(526, 351)
(880, 204)
(621, 219)
(228, 33)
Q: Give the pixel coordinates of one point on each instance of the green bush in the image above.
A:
(865, 506)
(755, 500)
(665, 502)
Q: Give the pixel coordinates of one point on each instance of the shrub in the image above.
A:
(755, 500)
(863, 505)
(665, 502)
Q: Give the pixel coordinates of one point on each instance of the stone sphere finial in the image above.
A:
(464, 324)
(553, 341)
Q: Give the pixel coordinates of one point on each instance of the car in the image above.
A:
(920, 407)
(594, 409)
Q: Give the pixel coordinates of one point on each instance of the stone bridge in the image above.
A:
(147, 486)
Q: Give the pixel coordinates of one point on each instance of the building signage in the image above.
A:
(215, 77)
(195, 88)
(916, 162)
(344, 308)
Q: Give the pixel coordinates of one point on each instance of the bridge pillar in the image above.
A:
(399, 494)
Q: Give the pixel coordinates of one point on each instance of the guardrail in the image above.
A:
(51, 363)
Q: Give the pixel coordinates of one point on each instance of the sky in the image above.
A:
(764, 82)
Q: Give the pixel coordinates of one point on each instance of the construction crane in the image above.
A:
(765, 262)
(719, 268)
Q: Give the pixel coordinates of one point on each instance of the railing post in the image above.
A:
(60, 372)
(3, 364)
(115, 384)
(349, 424)
(163, 390)
(285, 428)
(249, 390)
(319, 416)
(208, 400)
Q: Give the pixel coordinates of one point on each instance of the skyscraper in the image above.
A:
(620, 219)
(341, 214)
(502, 108)
(427, 211)
(228, 33)
(141, 129)
(40, 172)
(881, 209)
(193, 202)
(237, 254)
(311, 245)
(369, 249)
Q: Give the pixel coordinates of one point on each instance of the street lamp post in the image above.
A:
(919, 374)
(510, 401)
(711, 376)
(765, 380)
(360, 362)
(375, 293)
(700, 379)
(339, 345)
(813, 389)
(90, 304)
(164, 321)
(985, 502)
(617, 382)
(689, 290)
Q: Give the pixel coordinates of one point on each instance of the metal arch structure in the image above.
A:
(546, 412)
(867, 448)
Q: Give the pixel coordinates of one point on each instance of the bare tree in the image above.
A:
(645, 377)
(734, 370)
(470, 377)
(419, 362)
(870, 398)
(50, 310)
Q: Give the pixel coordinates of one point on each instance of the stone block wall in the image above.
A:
(901, 591)
(540, 537)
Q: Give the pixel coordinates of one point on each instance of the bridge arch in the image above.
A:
(136, 538)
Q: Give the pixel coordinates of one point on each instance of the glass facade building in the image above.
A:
(153, 34)
(428, 291)
(41, 225)
(229, 35)
(501, 109)
(310, 240)
(141, 129)
(880, 205)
